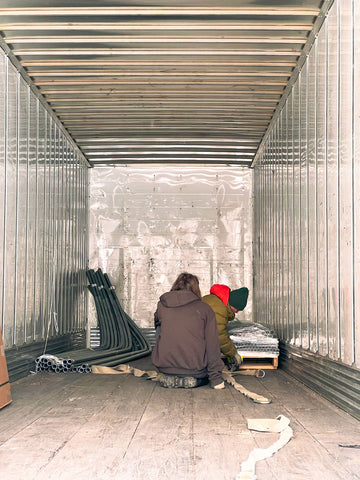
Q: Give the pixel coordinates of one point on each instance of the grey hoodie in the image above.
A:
(188, 343)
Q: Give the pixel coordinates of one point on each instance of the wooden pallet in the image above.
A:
(256, 362)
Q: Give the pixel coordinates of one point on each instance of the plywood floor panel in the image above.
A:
(105, 427)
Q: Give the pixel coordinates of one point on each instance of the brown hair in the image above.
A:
(187, 281)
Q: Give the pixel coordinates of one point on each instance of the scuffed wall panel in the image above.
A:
(148, 224)
(332, 197)
(346, 159)
(319, 285)
(21, 211)
(312, 182)
(11, 177)
(321, 193)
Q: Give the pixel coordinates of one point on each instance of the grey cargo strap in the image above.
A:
(227, 376)
(155, 376)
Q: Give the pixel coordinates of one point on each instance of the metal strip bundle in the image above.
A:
(150, 334)
(94, 337)
(253, 337)
(121, 340)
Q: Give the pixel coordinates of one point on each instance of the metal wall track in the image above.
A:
(338, 383)
(20, 360)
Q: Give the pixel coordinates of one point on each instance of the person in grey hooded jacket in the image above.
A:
(187, 351)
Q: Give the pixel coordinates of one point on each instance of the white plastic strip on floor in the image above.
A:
(281, 424)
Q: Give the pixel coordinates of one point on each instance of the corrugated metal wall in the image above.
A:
(307, 200)
(43, 215)
(150, 223)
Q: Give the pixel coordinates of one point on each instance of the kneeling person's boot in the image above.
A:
(174, 381)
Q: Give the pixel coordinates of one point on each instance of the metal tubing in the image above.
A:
(115, 324)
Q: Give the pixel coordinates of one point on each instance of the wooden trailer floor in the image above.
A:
(86, 427)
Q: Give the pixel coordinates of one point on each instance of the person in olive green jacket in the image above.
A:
(225, 303)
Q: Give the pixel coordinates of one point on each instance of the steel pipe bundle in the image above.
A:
(20, 360)
(51, 363)
(121, 340)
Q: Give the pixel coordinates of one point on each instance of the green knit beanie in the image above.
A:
(238, 298)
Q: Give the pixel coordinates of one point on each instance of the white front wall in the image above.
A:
(148, 224)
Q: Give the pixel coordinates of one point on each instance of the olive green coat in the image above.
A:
(223, 315)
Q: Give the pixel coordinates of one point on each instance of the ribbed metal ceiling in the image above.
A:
(165, 81)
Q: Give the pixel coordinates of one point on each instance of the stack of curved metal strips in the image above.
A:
(121, 339)
(253, 337)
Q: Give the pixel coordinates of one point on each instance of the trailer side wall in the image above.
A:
(306, 204)
(43, 215)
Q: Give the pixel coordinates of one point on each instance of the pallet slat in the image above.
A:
(263, 363)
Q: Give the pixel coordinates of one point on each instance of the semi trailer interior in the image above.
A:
(149, 138)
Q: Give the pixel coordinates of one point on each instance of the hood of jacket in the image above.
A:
(178, 298)
(221, 291)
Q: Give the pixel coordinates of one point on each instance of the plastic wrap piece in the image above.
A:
(279, 425)
(253, 338)
(121, 340)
